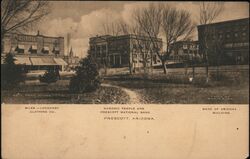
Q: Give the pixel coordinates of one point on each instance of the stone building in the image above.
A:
(35, 52)
(229, 39)
(125, 50)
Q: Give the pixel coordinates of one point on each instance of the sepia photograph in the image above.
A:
(122, 52)
(124, 79)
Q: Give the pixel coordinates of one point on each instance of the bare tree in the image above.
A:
(21, 15)
(216, 49)
(112, 28)
(209, 11)
(141, 44)
(143, 49)
(176, 25)
(119, 27)
(148, 22)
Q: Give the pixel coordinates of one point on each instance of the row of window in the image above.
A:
(44, 50)
(98, 47)
(229, 35)
(185, 46)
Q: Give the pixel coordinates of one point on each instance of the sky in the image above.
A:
(84, 19)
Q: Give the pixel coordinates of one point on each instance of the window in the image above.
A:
(185, 46)
(56, 50)
(104, 48)
(134, 58)
(125, 60)
(98, 53)
(45, 50)
(33, 49)
(220, 36)
(244, 34)
(228, 35)
(20, 49)
(155, 59)
(236, 35)
(92, 48)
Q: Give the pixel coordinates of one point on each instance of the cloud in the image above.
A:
(90, 24)
(58, 27)
(127, 12)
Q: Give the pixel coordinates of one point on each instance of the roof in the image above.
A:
(127, 36)
(33, 35)
(226, 22)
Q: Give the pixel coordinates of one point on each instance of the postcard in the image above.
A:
(124, 79)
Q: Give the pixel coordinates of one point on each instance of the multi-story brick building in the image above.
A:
(125, 50)
(228, 38)
(185, 51)
(35, 52)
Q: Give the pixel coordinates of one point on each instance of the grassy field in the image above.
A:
(179, 90)
(231, 88)
(57, 93)
(164, 93)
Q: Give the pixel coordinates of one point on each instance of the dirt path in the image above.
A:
(133, 96)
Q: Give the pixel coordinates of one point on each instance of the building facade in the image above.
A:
(228, 40)
(35, 52)
(71, 60)
(125, 50)
(184, 51)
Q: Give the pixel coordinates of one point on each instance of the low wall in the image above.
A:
(232, 69)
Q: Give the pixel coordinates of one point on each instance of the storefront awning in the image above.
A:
(46, 48)
(33, 47)
(56, 49)
(60, 61)
(43, 61)
(36, 61)
(47, 61)
(22, 61)
(20, 47)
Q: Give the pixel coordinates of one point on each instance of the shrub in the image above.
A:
(87, 77)
(11, 74)
(49, 77)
